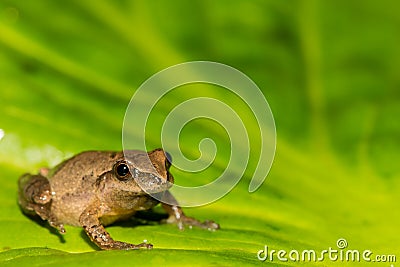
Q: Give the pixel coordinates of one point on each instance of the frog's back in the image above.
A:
(73, 182)
(82, 168)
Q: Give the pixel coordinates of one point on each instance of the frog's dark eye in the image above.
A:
(122, 170)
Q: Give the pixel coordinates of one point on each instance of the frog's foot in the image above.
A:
(58, 226)
(103, 240)
(190, 222)
(176, 215)
(91, 224)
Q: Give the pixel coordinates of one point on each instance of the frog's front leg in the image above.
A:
(176, 215)
(34, 197)
(91, 224)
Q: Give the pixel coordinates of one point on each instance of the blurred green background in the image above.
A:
(329, 70)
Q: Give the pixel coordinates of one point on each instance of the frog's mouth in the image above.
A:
(149, 182)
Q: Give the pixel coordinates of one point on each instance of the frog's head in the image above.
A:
(143, 172)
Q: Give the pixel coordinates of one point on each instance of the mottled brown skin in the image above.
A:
(97, 188)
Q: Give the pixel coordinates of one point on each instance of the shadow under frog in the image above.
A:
(97, 188)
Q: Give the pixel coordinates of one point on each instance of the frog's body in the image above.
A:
(96, 188)
(73, 196)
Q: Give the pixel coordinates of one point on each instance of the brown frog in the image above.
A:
(97, 188)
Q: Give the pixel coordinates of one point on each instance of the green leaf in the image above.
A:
(329, 71)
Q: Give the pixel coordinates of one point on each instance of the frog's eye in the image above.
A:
(122, 170)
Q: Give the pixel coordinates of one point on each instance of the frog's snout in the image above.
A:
(151, 183)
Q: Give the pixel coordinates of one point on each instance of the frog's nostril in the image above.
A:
(135, 173)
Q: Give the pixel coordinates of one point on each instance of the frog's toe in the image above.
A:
(44, 171)
(190, 222)
(144, 245)
(58, 226)
(211, 225)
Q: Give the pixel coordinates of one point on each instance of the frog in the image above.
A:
(94, 189)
